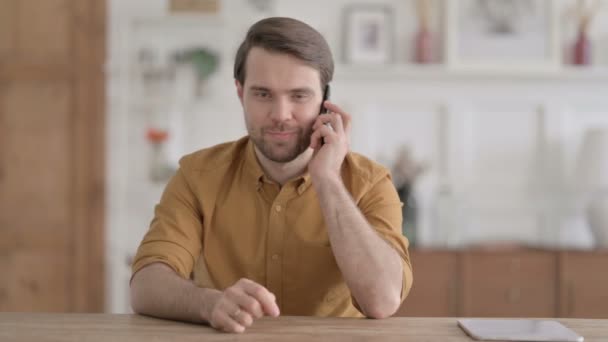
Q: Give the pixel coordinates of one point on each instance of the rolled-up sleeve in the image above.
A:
(381, 207)
(175, 234)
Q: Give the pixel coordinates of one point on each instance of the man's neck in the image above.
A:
(283, 172)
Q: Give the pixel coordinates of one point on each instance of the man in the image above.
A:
(283, 221)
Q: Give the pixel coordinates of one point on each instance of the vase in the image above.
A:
(409, 212)
(582, 49)
(159, 169)
(423, 46)
(597, 216)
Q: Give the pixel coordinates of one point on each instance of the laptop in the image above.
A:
(518, 330)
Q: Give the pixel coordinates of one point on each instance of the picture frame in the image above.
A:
(368, 34)
(508, 36)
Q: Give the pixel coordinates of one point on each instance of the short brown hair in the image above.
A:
(289, 36)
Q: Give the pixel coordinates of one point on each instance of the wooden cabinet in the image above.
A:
(435, 289)
(508, 283)
(584, 280)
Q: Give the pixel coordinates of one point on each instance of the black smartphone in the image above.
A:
(326, 93)
(323, 110)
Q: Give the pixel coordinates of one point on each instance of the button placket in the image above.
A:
(275, 247)
(276, 240)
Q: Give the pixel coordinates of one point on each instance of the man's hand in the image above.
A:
(333, 129)
(236, 308)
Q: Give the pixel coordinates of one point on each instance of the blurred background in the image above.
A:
(491, 114)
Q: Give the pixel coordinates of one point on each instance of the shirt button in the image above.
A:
(275, 257)
(278, 208)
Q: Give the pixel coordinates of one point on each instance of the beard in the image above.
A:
(280, 151)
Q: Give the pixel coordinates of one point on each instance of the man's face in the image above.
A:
(281, 98)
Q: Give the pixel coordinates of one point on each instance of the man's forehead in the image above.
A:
(264, 68)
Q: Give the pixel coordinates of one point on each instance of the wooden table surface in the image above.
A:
(43, 327)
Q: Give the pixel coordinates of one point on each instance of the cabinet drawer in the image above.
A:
(584, 280)
(434, 292)
(509, 284)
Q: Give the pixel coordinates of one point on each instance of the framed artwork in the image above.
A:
(368, 34)
(194, 6)
(506, 35)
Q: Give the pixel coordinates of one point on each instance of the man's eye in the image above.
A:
(300, 97)
(262, 94)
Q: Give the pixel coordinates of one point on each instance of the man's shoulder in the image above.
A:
(215, 157)
(364, 168)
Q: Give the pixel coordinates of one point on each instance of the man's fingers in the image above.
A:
(346, 118)
(262, 295)
(315, 140)
(242, 317)
(336, 122)
(332, 107)
(252, 306)
(322, 120)
(228, 324)
(247, 303)
(324, 133)
(221, 320)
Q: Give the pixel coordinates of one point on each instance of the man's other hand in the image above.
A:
(236, 308)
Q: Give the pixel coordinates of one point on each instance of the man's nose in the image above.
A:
(281, 109)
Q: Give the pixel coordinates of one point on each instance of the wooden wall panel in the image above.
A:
(8, 28)
(52, 155)
(45, 30)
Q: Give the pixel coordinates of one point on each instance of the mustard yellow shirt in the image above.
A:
(220, 219)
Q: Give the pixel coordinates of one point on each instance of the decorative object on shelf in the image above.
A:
(502, 35)
(423, 38)
(160, 169)
(159, 74)
(155, 76)
(194, 6)
(171, 59)
(203, 60)
(262, 6)
(169, 82)
(368, 34)
(581, 54)
(582, 47)
(592, 179)
(405, 172)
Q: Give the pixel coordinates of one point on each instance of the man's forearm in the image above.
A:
(156, 290)
(371, 267)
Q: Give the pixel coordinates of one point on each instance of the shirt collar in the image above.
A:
(257, 173)
(253, 165)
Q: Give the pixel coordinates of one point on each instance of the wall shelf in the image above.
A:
(442, 72)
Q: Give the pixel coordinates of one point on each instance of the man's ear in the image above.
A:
(239, 90)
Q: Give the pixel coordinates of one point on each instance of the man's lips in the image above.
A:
(281, 134)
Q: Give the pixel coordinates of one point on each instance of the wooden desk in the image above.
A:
(41, 327)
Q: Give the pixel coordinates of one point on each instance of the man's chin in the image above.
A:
(280, 154)
(281, 157)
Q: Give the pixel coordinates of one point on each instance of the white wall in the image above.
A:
(502, 147)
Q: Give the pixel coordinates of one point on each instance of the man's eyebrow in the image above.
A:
(256, 87)
(301, 90)
(306, 90)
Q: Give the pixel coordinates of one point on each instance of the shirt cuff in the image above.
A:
(169, 253)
